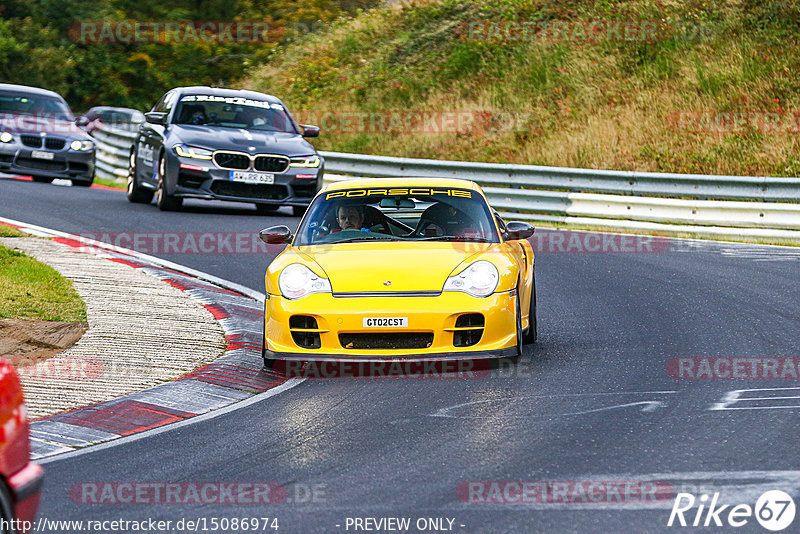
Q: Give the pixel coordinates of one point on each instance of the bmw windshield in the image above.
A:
(35, 105)
(234, 112)
(398, 214)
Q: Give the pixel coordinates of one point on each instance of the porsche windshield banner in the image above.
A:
(400, 191)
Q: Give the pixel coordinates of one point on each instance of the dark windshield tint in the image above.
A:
(402, 214)
(233, 112)
(36, 105)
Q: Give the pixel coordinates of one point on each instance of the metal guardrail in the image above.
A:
(697, 186)
(727, 207)
(113, 149)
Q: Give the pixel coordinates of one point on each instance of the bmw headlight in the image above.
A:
(81, 146)
(305, 161)
(193, 152)
(6, 137)
(479, 279)
(297, 281)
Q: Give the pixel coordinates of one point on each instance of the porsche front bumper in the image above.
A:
(433, 329)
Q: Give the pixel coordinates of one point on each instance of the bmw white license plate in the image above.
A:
(249, 177)
(41, 154)
(385, 322)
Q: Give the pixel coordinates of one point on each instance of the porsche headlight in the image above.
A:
(6, 137)
(193, 152)
(297, 281)
(81, 146)
(305, 161)
(479, 279)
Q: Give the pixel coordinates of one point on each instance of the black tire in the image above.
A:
(164, 200)
(136, 193)
(42, 179)
(299, 211)
(266, 209)
(269, 363)
(531, 334)
(81, 183)
(6, 509)
(518, 325)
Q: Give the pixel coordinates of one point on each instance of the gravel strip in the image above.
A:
(142, 332)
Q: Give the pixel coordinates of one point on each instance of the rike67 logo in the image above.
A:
(774, 510)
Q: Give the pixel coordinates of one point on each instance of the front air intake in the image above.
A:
(305, 331)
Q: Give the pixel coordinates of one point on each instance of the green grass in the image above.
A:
(116, 184)
(30, 289)
(10, 231)
(605, 105)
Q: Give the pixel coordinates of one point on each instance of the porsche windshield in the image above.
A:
(234, 112)
(398, 214)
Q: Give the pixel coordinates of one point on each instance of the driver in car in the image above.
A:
(351, 217)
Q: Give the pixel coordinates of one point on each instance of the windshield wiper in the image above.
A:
(455, 238)
(365, 238)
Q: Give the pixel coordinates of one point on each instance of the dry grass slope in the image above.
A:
(652, 105)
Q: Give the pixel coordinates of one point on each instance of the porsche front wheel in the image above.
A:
(519, 327)
(531, 333)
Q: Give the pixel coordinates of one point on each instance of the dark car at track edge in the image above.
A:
(39, 137)
(224, 144)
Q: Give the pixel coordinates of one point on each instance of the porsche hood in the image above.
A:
(390, 267)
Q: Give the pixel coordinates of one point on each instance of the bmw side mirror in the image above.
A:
(516, 230)
(156, 117)
(81, 121)
(276, 235)
(309, 130)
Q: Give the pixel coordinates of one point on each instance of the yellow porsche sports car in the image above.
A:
(406, 268)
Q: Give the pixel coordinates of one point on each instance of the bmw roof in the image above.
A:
(30, 90)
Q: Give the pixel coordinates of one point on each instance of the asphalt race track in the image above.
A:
(591, 403)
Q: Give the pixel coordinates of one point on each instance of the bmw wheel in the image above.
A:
(164, 200)
(136, 193)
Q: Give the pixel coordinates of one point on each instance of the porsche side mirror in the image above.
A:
(516, 230)
(309, 130)
(275, 235)
(156, 117)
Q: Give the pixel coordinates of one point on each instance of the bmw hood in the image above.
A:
(241, 140)
(390, 266)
